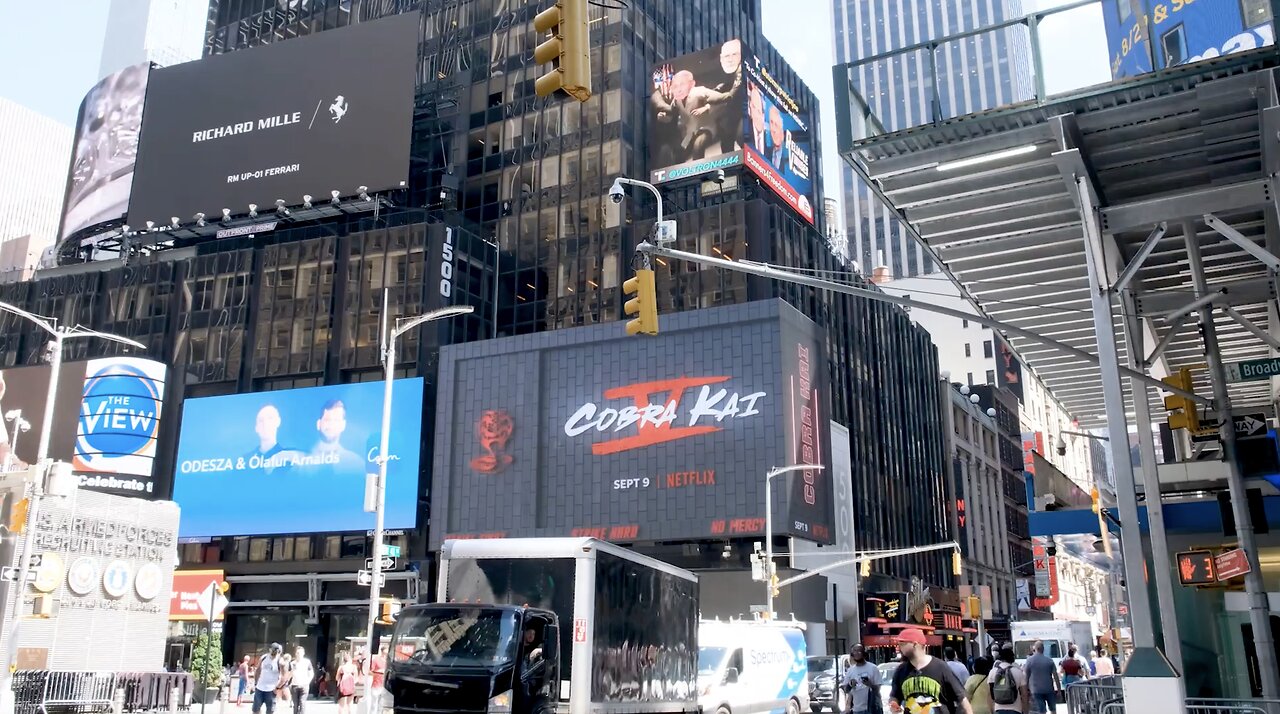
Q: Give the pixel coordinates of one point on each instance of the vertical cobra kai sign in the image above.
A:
(807, 419)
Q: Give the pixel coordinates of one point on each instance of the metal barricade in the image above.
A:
(78, 692)
(1203, 705)
(1092, 695)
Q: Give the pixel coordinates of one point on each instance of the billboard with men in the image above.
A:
(721, 108)
(295, 460)
(106, 421)
(587, 432)
(306, 116)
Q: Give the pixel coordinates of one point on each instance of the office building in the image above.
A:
(165, 32)
(522, 182)
(982, 72)
(35, 152)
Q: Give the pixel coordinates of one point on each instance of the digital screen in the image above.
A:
(721, 108)
(106, 421)
(329, 111)
(294, 461)
(695, 113)
(579, 432)
(106, 146)
(1196, 567)
(1157, 34)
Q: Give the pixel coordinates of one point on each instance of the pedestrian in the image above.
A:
(1007, 685)
(322, 682)
(300, 676)
(862, 683)
(1073, 667)
(264, 692)
(976, 686)
(378, 668)
(923, 683)
(286, 675)
(962, 672)
(346, 676)
(243, 670)
(1103, 666)
(1043, 681)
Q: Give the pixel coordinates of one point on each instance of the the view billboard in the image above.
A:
(1182, 32)
(721, 108)
(586, 432)
(105, 149)
(295, 460)
(330, 111)
(106, 421)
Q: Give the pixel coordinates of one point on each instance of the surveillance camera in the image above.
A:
(151, 224)
(13, 414)
(199, 219)
(719, 176)
(1062, 446)
(226, 213)
(125, 228)
(616, 193)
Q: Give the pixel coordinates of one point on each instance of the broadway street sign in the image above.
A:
(1254, 370)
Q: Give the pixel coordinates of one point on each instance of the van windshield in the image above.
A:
(822, 665)
(709, 659)
(461, 637)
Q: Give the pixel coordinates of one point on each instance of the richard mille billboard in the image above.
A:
(331, 111)
(588, 432)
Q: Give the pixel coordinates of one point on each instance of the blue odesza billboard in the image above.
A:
(587, 432)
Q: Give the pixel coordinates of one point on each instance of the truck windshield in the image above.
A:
(822, 665)
(709, 659)
(467, 637)
(1052, 650)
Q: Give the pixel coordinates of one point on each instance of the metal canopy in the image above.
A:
(1197, 146)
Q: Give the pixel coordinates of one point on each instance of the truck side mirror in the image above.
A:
(731, 675)
(551, 643)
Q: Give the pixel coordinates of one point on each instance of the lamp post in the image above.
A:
(35, 489)
(389, 335)
(768, 526)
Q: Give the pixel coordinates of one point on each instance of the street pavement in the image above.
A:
(325, 706)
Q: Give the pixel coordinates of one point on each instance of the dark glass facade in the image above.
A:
(523, 180)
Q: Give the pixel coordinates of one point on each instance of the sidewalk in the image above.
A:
(322, 706)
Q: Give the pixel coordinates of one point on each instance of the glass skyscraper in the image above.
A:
(981, 72)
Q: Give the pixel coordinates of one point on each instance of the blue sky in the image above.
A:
(50, 50)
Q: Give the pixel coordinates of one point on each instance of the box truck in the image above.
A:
(1056, 635)
(752, 666)
(548, 625)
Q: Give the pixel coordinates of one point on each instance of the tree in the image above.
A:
(206, 660)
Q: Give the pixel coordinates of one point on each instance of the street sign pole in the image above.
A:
(208, 647)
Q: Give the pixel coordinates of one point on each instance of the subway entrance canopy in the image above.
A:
(997, 199)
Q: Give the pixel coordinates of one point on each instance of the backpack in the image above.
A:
(1004, 688)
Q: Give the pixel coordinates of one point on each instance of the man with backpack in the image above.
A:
(1008, 684)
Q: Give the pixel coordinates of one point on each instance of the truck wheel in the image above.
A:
(793, 707)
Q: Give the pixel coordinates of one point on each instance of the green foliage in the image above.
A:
(206, 660)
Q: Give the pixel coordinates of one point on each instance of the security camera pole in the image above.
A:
(35, 488)
(389, 335)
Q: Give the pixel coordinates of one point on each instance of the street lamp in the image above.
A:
(768, 525)
(403, 325)
(35, 488)
(20, 426)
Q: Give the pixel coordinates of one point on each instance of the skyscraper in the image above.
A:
(166, 32)
(35, 152)
(981, 72)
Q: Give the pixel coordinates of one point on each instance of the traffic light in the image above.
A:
(957, 563)
(1182, 411)
(866, 568)
(1096, 496)
(773, 585)
(644, 306)
(390, 611)
(975, 607)
(223, 587)
(18, 516)
(568, 49)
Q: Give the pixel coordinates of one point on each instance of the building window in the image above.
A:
(968, 350)
(970, 379)
(1174, 44)
(991, 376)
(987, 350)
(1255, 12)
(1124, 8)
(964, 324)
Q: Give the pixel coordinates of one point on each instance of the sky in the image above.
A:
(58, 45)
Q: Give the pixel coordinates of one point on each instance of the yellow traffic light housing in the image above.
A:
(568, 49)
(1182, 411)
(865, 568)
(773, 585)
(975, 607)
(390, 611)
(223, 587)
(644, 306)
(18, 516)
(957, 564)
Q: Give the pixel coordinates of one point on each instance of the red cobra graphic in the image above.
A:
(493, 430)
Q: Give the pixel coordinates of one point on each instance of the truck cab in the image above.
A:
(458, 657)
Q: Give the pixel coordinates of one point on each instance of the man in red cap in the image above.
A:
(922, 684)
